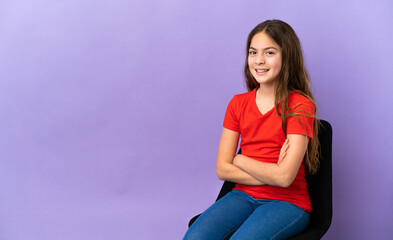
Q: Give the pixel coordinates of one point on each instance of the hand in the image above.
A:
(283, 151)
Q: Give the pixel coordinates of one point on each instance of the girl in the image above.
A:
(278, 127)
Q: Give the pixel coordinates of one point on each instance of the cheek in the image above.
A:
(278, 64)
(249, 62)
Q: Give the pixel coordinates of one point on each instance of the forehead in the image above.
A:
(262, 40)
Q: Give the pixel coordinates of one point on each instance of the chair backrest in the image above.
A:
(320, 184)
(320, 189)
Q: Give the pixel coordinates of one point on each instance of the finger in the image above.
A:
(286, 144)
(284, 147)
(282, 155)
(281, 158)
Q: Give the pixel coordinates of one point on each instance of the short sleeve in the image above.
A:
(304, 124)
(231, 120)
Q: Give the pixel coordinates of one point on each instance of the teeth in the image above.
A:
(260, 70)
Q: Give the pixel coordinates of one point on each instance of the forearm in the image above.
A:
(225, 168)
(283, 172)
(269, 173)
(230, 172)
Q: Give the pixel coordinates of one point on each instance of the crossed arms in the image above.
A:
(244, 170)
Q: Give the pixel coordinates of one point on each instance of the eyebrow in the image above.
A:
(264, 48)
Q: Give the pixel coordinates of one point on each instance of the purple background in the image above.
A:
(111, 111)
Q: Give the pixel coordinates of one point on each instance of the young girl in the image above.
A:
(278, 127)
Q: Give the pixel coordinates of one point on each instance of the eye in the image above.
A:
(252, 52)
(270, 53)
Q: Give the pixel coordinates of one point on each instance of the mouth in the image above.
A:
(261, 70)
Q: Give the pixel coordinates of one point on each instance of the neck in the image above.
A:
(267, 91)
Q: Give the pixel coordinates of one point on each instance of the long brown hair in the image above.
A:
(293, 77)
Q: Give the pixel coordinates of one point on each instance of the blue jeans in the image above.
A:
(239, 216)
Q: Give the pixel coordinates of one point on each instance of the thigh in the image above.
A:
(221, 219)
(273, 220)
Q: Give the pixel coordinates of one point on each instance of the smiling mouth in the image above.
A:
(261, 70)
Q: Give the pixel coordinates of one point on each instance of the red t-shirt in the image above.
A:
(262, 138)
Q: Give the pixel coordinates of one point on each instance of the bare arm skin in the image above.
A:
(226, 153)
(284, 172)
(225, 168)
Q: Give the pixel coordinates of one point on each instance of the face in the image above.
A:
(264, 59)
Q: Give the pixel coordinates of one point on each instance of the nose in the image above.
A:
(260, 59)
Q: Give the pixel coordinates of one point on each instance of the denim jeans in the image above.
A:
(239, 216)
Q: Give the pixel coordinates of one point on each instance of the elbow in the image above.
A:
(223, 171)
(221, 177)
(220, 173)
(285, 184)
(284, 181)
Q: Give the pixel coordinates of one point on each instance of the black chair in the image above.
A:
(319, 186)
